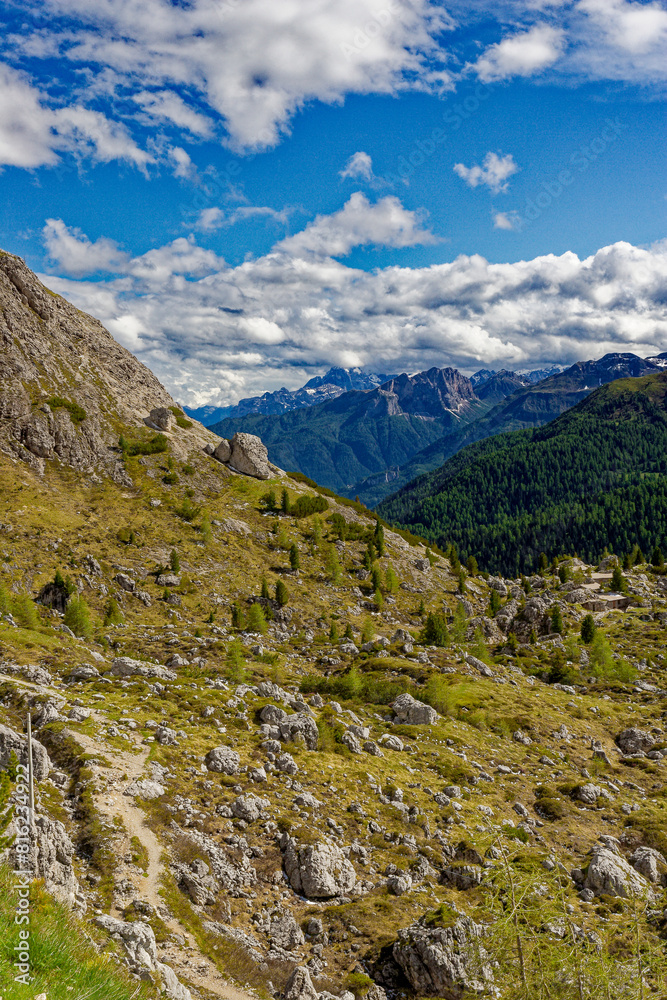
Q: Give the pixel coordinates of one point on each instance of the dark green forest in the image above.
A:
(593, 479)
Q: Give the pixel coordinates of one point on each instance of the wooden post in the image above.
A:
(31, 783)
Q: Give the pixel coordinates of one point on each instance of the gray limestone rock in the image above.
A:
(318, 871)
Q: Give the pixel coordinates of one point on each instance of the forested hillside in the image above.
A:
(594, 478)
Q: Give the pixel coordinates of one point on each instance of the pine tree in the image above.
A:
(435, 631)
(367, 631)
(556, 620)
(238, 618)
(264, 593)
(333, 633)
(379, 600)
(618, 582)
(494, 603)
(205, 529)
(588, 629)
(378, 538)
(657, 559)
(460, 623)
(376, 578)
(454, 559)
(462, 581)
(235, 661)
(543, 562)
(421, 610)
(348, 632)
(294, 559)
(174, 561)
(256, 621)
(282, 594)
(472, 566)
(284, 501)
(25, 612)
(269, 500)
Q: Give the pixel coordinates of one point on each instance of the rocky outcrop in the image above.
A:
(64, 378)
(318, 871)
(13, 742)
(49, 858)
(447, 961)
(125, 666)
(299, 986)
(138, 942)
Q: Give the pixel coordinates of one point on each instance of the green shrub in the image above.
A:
(186, 510)
(170, 479)
(76, 412)
(304, 506)
(184, 423)
(112, 612)
(157, 444)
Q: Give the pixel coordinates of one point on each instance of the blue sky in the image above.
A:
(246, 192)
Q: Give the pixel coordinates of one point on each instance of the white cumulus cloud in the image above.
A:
(359, 223)
(523, 54)
(494, 173)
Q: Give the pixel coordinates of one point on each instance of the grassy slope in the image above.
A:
(55, 522)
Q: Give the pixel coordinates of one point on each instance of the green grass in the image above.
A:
(76, 412)
(63, 964)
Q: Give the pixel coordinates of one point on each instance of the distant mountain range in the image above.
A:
(370, 442)
(316, 390)
(595, 476)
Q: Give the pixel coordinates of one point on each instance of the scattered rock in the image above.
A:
(318, 871)
(411, 712)
(223, 760)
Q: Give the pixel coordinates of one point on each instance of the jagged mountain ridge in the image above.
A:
(338, 443)
(369, 451)
(532, 405)
(316, 390)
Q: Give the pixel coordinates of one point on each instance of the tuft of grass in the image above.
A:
(63, 961)
(76, 412)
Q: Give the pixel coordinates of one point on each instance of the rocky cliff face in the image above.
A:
(66, 386)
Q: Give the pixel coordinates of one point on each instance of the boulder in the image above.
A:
(286, 764)
(578, 596)
(196, 881)
(411, 712)
(125, 582)
(272, 714)
(223, 760)
(49, 858)
(125, 666)
(223, 452)
(249, 455)
(285, 933)
(168, 580)
(299, 986)
(609, 874)
(249, 807)
(318, 871)
(391, 742)
(166, 736)
(161, 418)
(634, 740)
(145, 788)
(300, 724)
(448, 961)
(11, 741)
(651, 864)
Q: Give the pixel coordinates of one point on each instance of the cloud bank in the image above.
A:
(214, 333)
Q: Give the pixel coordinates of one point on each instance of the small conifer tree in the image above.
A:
(284, 501)
(282, 594)
(77, 618)
(588, 629)
(556, 620)
(174, 561)
(256, 621)
(264, 592)
(238, 618)
(294, 560)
